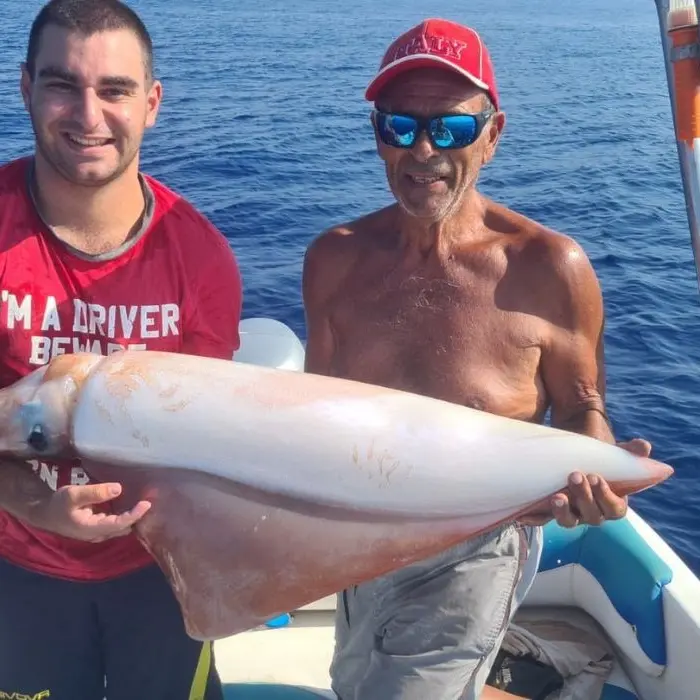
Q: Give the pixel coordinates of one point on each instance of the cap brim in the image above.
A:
(408, 63)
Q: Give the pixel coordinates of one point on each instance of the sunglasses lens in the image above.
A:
(454, 131)
(397, 130)
(450, 131)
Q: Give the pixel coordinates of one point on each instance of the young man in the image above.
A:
(449, 294)
(95, 255)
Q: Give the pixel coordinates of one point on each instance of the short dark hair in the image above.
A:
(88, 17)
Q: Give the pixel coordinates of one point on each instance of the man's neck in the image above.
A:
(426, 238)
(90, 219)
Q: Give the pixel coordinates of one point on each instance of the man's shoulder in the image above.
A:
(556, 256)
(337, 241)
(206, 255)
(332, 255)
(559, 251)
(352, 238)
(17, 215)
(13, 175)
(554, 273)
(565, 264)
(185, 222)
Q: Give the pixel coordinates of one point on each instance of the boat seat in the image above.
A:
(269, 343)
(618, 685)
(610, 572)
(615, 692)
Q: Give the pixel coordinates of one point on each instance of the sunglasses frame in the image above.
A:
(481, 119)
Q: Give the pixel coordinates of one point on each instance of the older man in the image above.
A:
(449, 294)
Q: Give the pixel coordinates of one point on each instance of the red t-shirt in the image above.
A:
(174, 286)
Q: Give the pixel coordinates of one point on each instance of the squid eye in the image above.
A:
(37, 439)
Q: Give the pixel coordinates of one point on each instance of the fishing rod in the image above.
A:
(678, 23)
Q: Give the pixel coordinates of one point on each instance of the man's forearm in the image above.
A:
(22, 492)
(591, 422)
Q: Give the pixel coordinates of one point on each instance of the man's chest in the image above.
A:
(459, 317)
(444, 340)
(54, 311)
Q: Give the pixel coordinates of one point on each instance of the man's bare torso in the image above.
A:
(468, 329)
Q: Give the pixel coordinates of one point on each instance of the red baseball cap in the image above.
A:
(438, 43)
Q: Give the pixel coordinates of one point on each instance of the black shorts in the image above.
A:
(62, 640)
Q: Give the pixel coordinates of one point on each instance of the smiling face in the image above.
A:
(429, 182)
(90, 100)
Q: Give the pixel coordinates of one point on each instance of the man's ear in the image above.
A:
(25, 85)
(493, 130)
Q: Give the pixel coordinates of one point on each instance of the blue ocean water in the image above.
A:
(265, 129)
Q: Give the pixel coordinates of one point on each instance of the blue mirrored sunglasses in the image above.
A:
(444, 131)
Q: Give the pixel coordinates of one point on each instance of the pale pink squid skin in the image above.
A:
(235, 561)
(237, 553)
(55, 387)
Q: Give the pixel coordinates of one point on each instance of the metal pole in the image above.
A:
(688, 155)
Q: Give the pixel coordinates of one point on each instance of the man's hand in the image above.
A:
(590, 500)
(70, 512)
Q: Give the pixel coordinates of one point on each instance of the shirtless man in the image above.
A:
(449, 294)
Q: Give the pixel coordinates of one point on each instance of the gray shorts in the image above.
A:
(431, 631)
